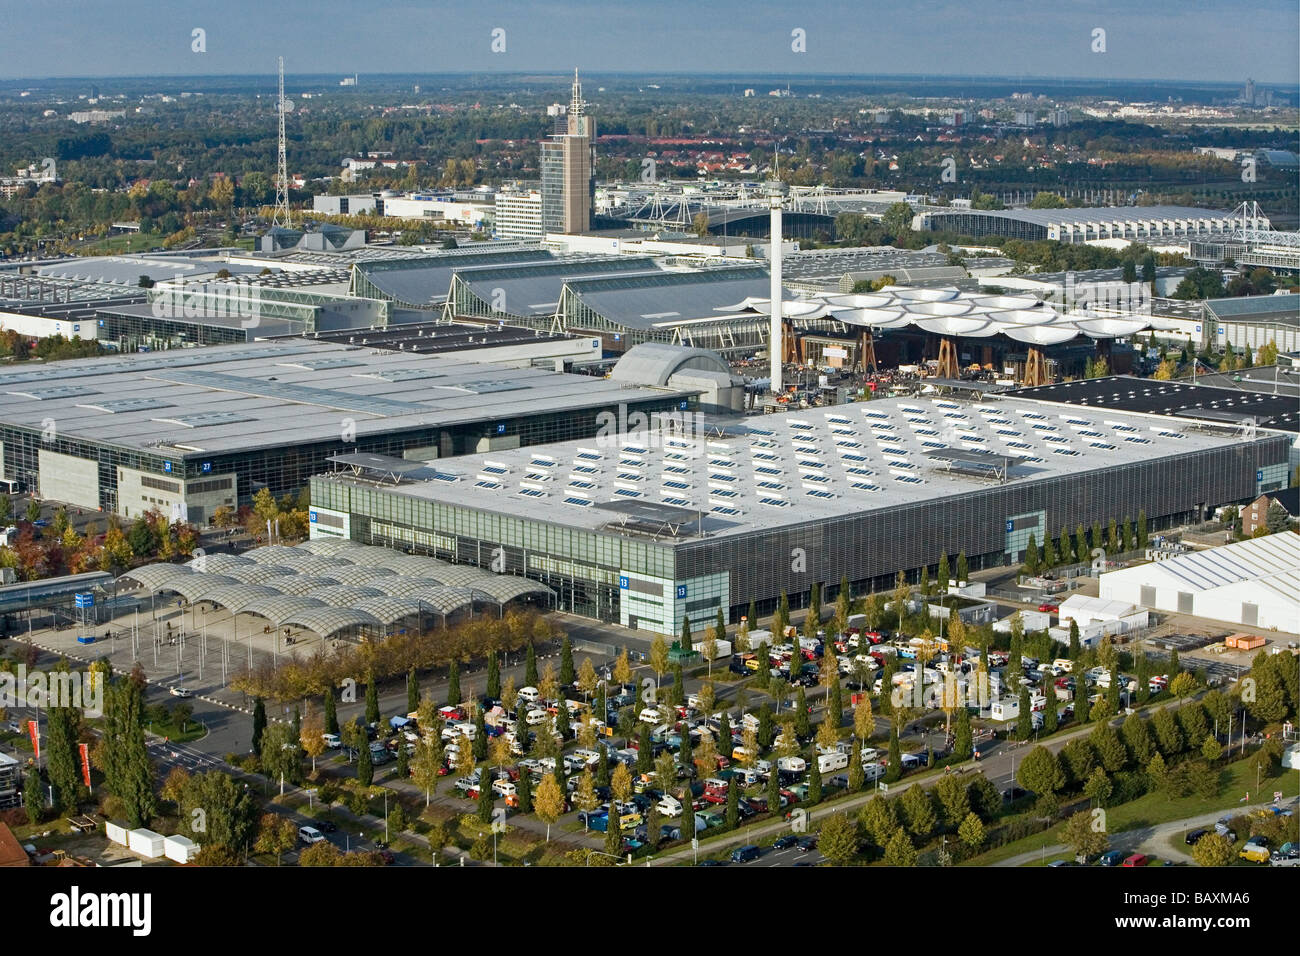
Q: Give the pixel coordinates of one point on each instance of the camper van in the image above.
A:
(827, 763)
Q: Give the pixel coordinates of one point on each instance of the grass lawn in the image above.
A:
(193, 730)
(1154, 808)
(125, 243)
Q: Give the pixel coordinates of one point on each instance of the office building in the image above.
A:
(568, 170)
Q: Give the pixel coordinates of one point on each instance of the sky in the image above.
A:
(1214, 40)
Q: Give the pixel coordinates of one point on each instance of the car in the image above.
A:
(807, 844)
(1136, 859)
(332, 741)
(310, 835)
(1222, 829)
(1112, 858)
(1048, 608)
(1279, 858)
(180, 692)
(1194, 836)
(327, 826)
(1062, 863)
(785, 842)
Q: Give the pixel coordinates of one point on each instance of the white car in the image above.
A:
(180, 692)
(332, 741)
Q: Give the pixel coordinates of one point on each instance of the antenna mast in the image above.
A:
(281, 214)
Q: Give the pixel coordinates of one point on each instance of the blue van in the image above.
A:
(745, 853)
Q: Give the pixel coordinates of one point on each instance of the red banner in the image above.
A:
(36, 738)
(85, 763)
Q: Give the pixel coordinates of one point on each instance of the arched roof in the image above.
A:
(197, 587)
(328, 621)
(280, 608)
(236, 597)
(218, 563)
(344, 595)
(653, 363)
(256, 573)
(508, 587)
(305, 583)
(157, 577)
(272, 554)
(390, 610)
(400, 585)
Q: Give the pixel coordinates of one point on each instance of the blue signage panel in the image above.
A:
(1010, 525)
(501, 429)
(1259, 474)
(622, 581)
(683, 403)
(207, 467)
(167, 467)
(85, 599)
(681, 591)
(312, 516)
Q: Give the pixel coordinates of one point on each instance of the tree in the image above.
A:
(33, 796)
(814, 783)
(311, 737)
(128, 770)
(1098, 787)
(530, 666)
(971, 832)
(549, 804)
(1040, 772)
(842, 607)
(899, 851)
(838, 839)
(963, 743)
(588, 680)
(1169, 737)
(781, 619)
(567, 673)
(894, 770)
(1024, 722)
(944, 574)
(1142, 529)
(453, 683)
(259, 723)
(61, 757)
(276, 835)
(802, 727)
(365, 766)
(1031, 557)
(331, 712)
(963, 568)
(856, 774)
(919, 813)
(1213, 849)
(1082, 836)
(659, 659)
(864, 722)
(953, 798)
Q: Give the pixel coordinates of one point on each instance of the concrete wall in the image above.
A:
(70, 479)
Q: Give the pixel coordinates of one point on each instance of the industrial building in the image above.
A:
(1148, 224)
(1253, 583)
(1243, 409)
(1252, 321)
(650, 526)
(189, 431)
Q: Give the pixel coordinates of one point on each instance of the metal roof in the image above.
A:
(650, 300)
(534, 288)
(797, 468)
(257, 396)
(1103, 214)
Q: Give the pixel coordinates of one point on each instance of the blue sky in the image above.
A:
(1224, 40)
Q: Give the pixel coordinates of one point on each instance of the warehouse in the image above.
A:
(186, 432)
(647, 527)
(1253, 583)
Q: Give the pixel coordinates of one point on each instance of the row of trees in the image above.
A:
(59, 549)
(1119, 537)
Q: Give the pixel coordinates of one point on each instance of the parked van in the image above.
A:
(650, 715)
(826, 763)
(536, 717)
(669, 806)
(310, 835)
(530, 694)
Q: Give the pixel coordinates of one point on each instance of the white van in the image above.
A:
(669, 806)
(650, 715)
(829, 762)
(529, 694)
(536, 717)
(310, 835)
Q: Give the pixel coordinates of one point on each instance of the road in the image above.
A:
(1152, 840)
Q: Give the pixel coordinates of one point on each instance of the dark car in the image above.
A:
(327, 826)
(807, 844)
(1194, 836)
(1113, 858)
(785, 842)
(1013, 794)
(745, 853)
